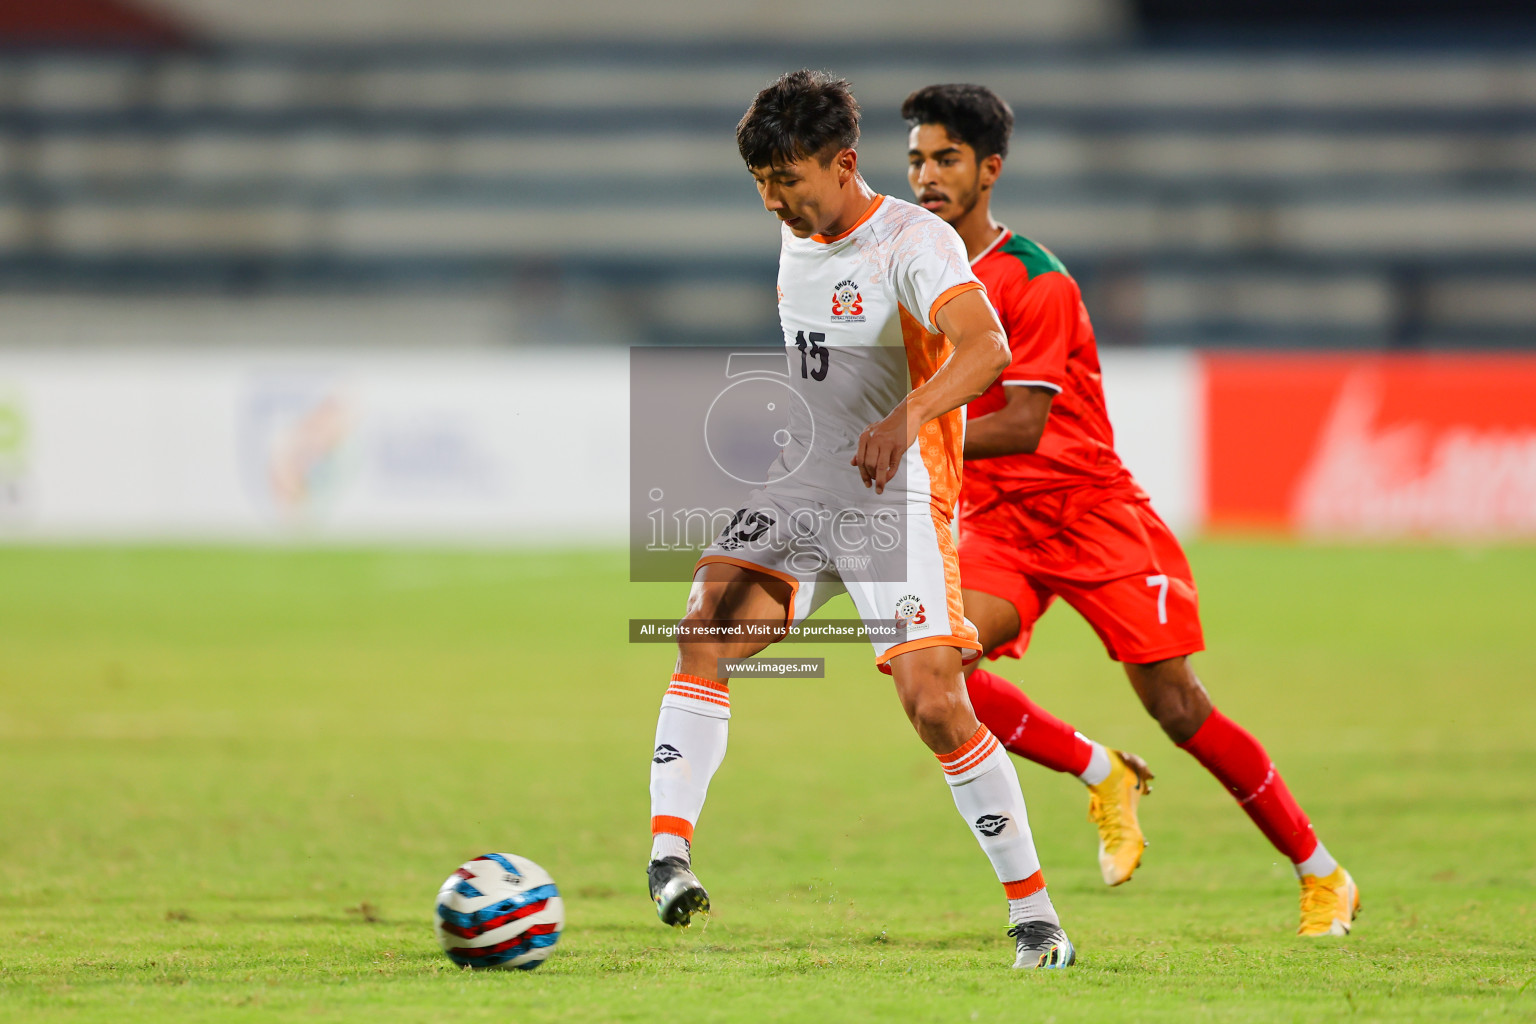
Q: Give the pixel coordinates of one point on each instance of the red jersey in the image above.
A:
(1030, 497)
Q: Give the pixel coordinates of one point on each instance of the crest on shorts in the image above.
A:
(847, 303)
(744, 528)
(910, 612)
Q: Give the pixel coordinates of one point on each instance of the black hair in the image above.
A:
(972, 114)
(803, 113)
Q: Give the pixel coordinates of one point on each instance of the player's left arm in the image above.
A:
(980, 354)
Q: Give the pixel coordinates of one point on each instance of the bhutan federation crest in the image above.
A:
(847, 303)
(910, 611)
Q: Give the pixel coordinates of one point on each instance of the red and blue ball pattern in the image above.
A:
(499, 911)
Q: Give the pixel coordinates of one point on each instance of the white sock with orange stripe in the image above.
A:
(690, 744)
(987, 794)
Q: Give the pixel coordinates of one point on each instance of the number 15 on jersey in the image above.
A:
(815, 350)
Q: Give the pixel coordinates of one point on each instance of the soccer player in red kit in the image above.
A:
(1048, 510)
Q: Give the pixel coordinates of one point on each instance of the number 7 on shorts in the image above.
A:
(1161, 582)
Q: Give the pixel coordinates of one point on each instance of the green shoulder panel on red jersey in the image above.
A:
(1037, 259)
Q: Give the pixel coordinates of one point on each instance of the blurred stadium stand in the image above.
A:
(1211, 194)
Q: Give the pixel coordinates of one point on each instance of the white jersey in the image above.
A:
(858, 314)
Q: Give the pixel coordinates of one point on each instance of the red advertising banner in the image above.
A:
(1385, 446)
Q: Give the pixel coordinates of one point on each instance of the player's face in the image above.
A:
(944, 173)
(806, 195)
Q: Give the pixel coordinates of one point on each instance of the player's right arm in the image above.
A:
(1015, 429)
(1040, 315)
(980, 354)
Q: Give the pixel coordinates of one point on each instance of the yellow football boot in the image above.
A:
(1112, 807)
(1328, 904)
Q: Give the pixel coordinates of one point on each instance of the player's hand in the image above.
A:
(881, 446)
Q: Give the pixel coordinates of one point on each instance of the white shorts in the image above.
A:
(901, 567)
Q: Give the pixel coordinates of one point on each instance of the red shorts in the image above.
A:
(1118, 564)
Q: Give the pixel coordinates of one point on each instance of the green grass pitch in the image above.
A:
(231, 782)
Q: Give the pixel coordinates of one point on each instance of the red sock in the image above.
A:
(1230, 753)
(1024, 727)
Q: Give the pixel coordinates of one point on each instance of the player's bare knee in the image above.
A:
(1178, 719)
(1172, 695)
(930, 710)
(938, 719)
(940, 713)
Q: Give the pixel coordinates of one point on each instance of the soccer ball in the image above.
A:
(499, 911)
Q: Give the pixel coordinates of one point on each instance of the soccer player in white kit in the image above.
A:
(889, 335)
